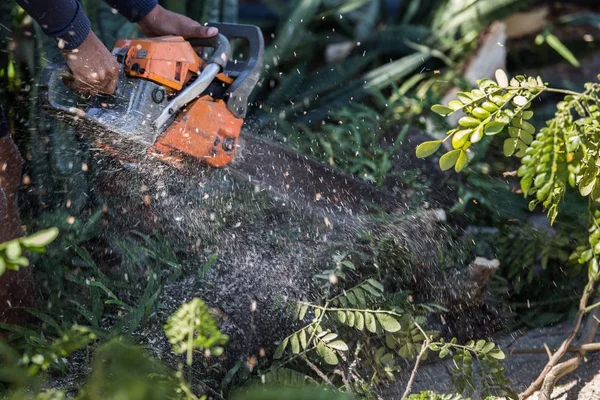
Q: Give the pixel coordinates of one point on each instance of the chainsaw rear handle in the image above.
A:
(219, 42)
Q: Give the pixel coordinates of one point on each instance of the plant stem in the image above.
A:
(562, 350)
(317, 370)
(413, 374)
(325, 308)
(591, 307)
(589, 347)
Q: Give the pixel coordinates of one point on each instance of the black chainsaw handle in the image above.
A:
(222, 53)
(246, 73)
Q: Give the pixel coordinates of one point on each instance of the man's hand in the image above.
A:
(162, 22)
(95, 70)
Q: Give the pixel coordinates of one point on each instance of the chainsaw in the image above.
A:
(184, 101)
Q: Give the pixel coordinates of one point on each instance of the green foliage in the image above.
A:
(122, 371)
(563, 152)
(192, 327)
(40, 355)
(308, 92)
(428, 395)
(275, 393)
(357, 142)
(490, 371)
(362, 324)
(12, 255)
(558, 46)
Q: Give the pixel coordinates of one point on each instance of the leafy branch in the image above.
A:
(12, 255)
(564, 153)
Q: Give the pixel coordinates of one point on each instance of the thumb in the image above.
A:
(201, 31)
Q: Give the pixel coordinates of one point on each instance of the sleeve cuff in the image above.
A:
(76, 32)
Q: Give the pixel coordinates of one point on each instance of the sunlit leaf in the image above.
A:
(338, 345)
(388, 323)
(426, 149)
(448, 160)
(442, 110)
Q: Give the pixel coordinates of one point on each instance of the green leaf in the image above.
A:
(479, 345)
(350, 318)
(426, 149)
(520, 100)
(375, 284)
(295, 344)
(329, 337)
(302, 337)
(302, 312)
(593, 268)
(41, 238)
(441, 110)
(501, 78)
(281, 348)
(13, 250)
(434, 347)
(341, 316)
(338, 345)
(351, 298)
(488, 347)
(460, 138)
(360, 296)
(349, 264)
(480, 113)
(359, 321)
(370, 322)
(561, 49)
(329, 355)
(462, 161)
(448, 160)
(587, 189)
(21, 261)
(455, 105)
(477, 134)
(497, 354)
(388, 323)
(494, 128)
(509, 146)
(2, 265)
(469, 122)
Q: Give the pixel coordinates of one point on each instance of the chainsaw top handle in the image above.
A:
(246, 73)
(222, 52)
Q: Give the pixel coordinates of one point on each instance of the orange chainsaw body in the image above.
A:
(205, 129)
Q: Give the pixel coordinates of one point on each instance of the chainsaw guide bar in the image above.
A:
(181, 108)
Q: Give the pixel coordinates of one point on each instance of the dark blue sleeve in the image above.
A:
(133, 10)
(60, 19)
(64, 19)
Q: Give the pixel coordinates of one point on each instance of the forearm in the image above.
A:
(133, 10)
(60, 19)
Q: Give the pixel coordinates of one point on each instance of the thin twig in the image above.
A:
(589, 347)
(413, 374)
(562, 350)
(346, 383)
(317, 370)
(557, 372)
